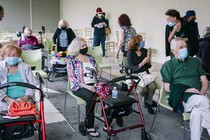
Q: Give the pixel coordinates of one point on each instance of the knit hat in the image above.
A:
(98, 10)
(190, 13)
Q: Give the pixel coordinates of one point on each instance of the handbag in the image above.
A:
(107, 30)
(22, 109)
(146, 79)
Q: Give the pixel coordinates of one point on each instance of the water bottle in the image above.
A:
(114, 93)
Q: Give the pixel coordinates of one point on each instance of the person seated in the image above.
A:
(83, 85)
(184, 78)
(28, 41)
(12, 69)
(139, 61)
(204, 50)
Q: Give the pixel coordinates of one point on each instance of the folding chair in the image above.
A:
(163, 101)
(80, 101)
(34, 59)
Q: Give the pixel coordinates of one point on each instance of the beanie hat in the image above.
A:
(190, 13)
(98, 10)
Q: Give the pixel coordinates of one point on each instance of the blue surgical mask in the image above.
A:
(142, 44)
(12, 60)
(183, 53)
(171, 24)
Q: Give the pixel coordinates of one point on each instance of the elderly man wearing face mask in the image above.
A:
(186, 81)
(99, 24)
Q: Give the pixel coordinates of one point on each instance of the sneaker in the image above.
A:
(119, 121)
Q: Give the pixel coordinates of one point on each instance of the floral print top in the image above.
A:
(75, 71)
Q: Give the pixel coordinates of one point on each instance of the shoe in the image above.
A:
(105, 130)
(154, 104)
(92, 132)
(119, 121)
(150, 110)
(149, 107)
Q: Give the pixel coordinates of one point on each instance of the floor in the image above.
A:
(167, 125)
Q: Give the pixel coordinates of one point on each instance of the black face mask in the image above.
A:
(84, 51)
(29, 37)
(63, 28)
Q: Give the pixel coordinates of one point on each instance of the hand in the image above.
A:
(193, 90)
(146, 59)
(9, 100)
(177, 27)
(23, 99)
(91, 88)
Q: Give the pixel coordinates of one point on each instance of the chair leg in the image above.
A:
(46, 89)
(64, 114)
(78, 106)
(153, 121)
(110, 74)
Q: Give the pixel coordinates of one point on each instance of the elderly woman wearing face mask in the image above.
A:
(27, 41)
(12, 69)
(63, 36)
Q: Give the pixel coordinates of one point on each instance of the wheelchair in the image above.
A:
(24, 126)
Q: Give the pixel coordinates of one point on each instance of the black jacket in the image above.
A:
(70, 36)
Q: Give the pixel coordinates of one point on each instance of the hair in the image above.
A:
(11, 46)
(26, 30)
(1, 8)
(173, 13)
(75, 45)
(206, 32)
(61, 22)
(174, 42)
(134, 42)
(124, 20)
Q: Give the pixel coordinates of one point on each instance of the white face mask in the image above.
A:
(99, 14)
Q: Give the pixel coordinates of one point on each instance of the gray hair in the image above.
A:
(75, 45)
(61, 22)
(174, 42)
(26, 30)
(206, 32)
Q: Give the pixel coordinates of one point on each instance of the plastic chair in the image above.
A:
(80, 101)
(89, 36)
(163, 101)
(78, 32)
(49, 44)
(34, 59)
(96, 52)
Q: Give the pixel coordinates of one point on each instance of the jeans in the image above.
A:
(100, 39)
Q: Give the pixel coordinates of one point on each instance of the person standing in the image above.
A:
(192, 32)
(173, 29)
(126, 31)
(99, 25)
(63, 36)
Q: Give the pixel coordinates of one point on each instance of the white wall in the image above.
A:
(146, 16)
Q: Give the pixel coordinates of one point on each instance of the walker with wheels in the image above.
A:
(119, 107)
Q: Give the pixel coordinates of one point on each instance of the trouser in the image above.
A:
(88, 96)
(200, 115)
(63, 49)
(100, 39)
(148, 92)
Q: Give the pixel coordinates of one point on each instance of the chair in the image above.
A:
(49, 44)
(34, 59)
(78, 32)
(88, 36)
(163, 101)
(80, 101)
(96, 52)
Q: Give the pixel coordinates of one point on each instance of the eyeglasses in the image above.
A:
(84, 45)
